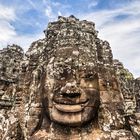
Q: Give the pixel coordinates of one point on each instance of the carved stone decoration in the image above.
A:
(69, 87)
(10, 99)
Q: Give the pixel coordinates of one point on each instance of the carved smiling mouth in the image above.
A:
(70, 102)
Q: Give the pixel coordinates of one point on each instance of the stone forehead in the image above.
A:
(72, 58)
(73, 51)
(68, 54)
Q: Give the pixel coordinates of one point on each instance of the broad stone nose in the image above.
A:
(70, 90)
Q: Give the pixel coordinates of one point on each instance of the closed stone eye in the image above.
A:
(89, 76)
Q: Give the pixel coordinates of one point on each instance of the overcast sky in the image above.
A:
(118, 21)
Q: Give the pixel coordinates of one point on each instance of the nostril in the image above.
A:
(71, 95)
(72, 86)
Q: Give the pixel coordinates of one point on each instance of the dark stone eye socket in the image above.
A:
(63, 73)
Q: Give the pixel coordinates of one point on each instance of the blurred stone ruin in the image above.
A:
(23, 86)
(10, 59)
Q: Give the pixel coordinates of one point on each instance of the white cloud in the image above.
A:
(32, 4)
(25, 40)
(7, 31)
(48, 11)
(55, 9)
(8, 34)
(93, 3)
(7, 13)
(59, 13)
(102, 17)
(51, 15)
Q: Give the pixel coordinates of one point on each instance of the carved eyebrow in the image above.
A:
(88, 75)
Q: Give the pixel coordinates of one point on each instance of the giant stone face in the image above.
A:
(71, 88)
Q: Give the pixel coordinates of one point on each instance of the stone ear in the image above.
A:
(39, 73)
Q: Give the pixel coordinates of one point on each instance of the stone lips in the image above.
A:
(69, 108)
